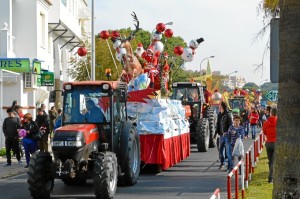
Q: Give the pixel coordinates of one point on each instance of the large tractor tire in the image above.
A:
(40, 178)
(105, 175)
(131, 165)
(212, 121)
(202, 135)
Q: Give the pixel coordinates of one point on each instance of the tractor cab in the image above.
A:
(191, 95)
(237, 104)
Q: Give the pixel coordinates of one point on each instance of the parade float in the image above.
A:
(161, 122)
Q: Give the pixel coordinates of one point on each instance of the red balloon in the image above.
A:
(81, 51)
(104, 34)
(115, 34)
(178, 50)
(160, 27)
(168, 33)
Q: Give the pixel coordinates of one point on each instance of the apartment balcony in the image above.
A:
(65, 20)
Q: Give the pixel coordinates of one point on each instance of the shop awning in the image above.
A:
(64, 33)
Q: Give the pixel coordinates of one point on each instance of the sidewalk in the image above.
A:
(15, 168)
(12, 170)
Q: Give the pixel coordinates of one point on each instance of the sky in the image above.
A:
(229, 28)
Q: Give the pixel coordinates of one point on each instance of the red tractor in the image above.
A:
(96, 141)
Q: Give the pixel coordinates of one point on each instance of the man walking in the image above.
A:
(10, 126)
(223, 124)
(269, 129)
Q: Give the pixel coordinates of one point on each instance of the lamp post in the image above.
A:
(93, 45)
(205, 59)
(229, 81)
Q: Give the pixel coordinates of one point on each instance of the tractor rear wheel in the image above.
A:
(40, 178)
(105, 175)
(202, 135)
(131, 166)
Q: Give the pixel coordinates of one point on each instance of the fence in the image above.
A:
(247, 170)
(216, 194)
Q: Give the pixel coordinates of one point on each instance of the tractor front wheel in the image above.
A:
(40, 178)
(105, 175)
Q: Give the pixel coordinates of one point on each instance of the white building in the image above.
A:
(234, 82)
(37, 35)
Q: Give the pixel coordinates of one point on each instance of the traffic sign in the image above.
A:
(273, 95)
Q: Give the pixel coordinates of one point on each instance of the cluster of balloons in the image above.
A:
(188, 53)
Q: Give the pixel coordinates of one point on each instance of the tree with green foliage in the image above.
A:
(104, 58)
(250, 86)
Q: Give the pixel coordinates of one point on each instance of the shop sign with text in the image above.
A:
(47, 79)
(19, 65)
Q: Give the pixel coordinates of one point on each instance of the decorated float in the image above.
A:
(161, 122)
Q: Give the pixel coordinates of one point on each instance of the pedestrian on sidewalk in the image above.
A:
(269, 129)
(30, 145)
(235, 131)
(245, 119)
(9, 128)
(223, 123)
(52, 116)
(43, 122)
(253, 118)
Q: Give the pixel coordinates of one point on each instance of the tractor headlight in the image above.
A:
(74, 143)
(57, 143)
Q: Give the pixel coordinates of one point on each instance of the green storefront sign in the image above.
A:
(47, 79)
(36, 69)
(19, 65)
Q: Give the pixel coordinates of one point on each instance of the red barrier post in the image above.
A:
(252, 159)
(216, 194)
(235, 172)
(236, 184)
(247, 169)
(229, 187)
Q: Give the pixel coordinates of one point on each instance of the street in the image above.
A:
(194, 178)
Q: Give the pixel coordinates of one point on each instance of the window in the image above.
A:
(42, 31)
(64, 2)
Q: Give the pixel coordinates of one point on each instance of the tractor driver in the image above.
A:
(94, 113)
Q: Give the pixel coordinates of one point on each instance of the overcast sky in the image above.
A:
(227, 26)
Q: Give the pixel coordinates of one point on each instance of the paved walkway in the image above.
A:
(14, 169)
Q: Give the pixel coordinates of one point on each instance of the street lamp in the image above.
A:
(231, 73)
(205, 59)
(228, 78)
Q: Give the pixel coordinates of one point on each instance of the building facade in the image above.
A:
(37, 39)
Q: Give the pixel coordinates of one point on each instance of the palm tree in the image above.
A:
(287, 150)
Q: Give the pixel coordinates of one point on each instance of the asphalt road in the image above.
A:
(194, 178)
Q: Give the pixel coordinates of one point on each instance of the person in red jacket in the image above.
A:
(269, 129)
(253, 119)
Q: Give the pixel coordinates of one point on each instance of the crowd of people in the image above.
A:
(231, 128)
(19, 127)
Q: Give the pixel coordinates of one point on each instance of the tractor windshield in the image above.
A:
(237, 104)
(186, 94)
(86, 105)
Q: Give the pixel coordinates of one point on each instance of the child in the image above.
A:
(235, 131)
(253, 118)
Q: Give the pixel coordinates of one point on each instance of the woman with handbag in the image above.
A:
(29, 143)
